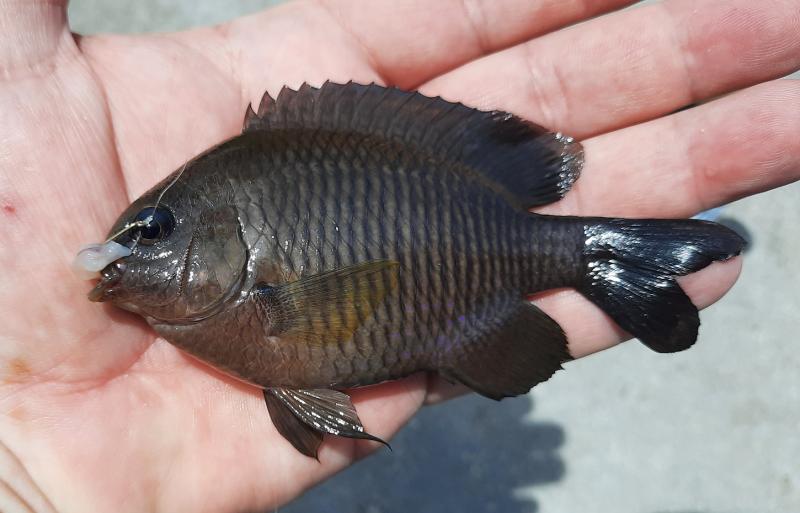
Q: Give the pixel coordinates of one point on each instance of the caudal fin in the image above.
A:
(631, 270)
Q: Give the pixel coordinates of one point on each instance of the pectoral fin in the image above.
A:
(302, 416)
(328, 307)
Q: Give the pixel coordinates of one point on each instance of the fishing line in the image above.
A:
(168, 187)
(147, 220)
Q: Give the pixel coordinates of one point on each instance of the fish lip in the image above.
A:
(109, 276)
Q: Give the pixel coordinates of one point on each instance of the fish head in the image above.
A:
(187, 257)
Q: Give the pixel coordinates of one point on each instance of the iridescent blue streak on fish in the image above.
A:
(356, 234)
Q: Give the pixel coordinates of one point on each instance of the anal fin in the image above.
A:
(303, 416)
(527, 349)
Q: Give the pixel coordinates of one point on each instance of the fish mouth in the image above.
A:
(109, 276)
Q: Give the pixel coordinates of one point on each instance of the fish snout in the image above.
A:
(109, 276)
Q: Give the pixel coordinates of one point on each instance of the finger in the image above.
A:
(589, 330)
(634, 65)
(32, 34)
(366, 42)
(409, 41)
(676, 166)
(440, 390)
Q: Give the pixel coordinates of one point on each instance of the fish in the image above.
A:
(354, 234)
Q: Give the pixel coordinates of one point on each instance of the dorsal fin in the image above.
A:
(533, 165)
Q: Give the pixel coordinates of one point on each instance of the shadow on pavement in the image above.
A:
(470, 454)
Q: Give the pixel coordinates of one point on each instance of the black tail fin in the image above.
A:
(631, 270)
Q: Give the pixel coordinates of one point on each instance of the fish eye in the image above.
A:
(160, 223)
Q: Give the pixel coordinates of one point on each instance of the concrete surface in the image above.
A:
(93, 16)
(712, 430)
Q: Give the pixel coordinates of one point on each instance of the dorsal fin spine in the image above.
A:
(533, 166)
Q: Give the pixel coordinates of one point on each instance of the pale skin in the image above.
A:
(98, 414)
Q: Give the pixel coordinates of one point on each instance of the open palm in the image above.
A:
(100, 415)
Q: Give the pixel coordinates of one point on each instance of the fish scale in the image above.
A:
(355, 234)
(418, 298)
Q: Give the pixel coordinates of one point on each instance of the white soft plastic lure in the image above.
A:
(91, 259)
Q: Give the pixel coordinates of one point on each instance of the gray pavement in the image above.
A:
(711, 430)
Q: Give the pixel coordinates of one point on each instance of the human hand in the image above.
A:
(100, 415)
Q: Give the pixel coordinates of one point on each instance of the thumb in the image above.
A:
(32, 33)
